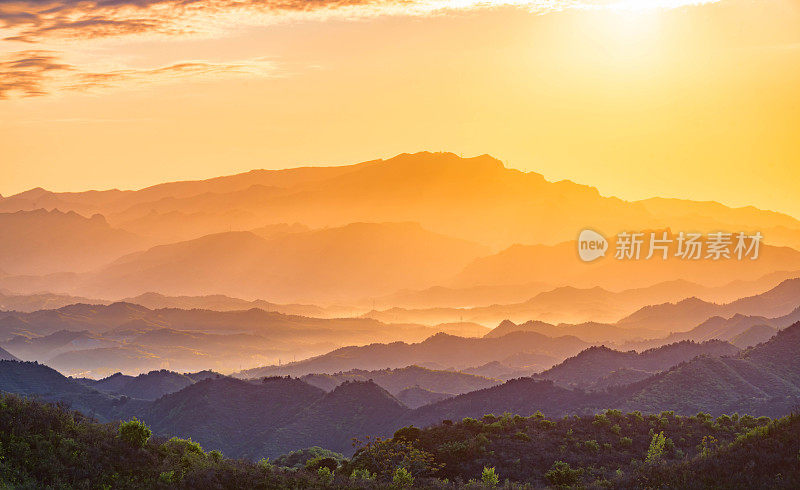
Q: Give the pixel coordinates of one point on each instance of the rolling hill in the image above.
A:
(332, 264)
(43, 242)
(397, 380)
(445, 351)
(596, 363)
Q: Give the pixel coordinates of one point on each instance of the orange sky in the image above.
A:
(633, 97)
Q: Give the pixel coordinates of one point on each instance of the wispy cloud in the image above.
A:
(32, 20)
(26, 73)
(36, 73)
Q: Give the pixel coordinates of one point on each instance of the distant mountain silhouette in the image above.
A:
(778, 301)
(725, 328)
(7, 356)
(44, 242)
(273, 415)
(416, 397)
(764, 379)
(396, 380)
(354, 409)
(51, 345)
(150, 386)
(231, 415)
(567, 304)
(505, 206)
(589, 332)
(331, 264)
(753, 335)
(521, 264)
(219, 302)
(595, 363)
(445, 297)
(40, 301)
(441, 349)
(98, 340)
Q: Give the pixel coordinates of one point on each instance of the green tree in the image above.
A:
(402, 478)
(134, 432)
(325, 475)
(656, 449)
(490, 477)
(561, 475)
(362, 474)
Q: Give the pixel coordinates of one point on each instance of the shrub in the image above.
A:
(362, 474)
(402, 478)
(166, 477)
(561, 475)
(134, 432)
(656, 448)
(600, 420)
(317, 463)
(522, 436)
(325, 475)
(410, 433)
(489, 477)
(592, 445)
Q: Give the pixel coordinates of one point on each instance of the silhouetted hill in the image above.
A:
(594, 363)
(505, 205)
(396, 380)
(726, 328)
(523, 396)
(6, 356)
(588, 332)
(34, 379)
(753, 335)
(670, 317)
(778, 301)
(354, 409)
(49, 346)
(41, 301)
(764, 379)
(30, 378)
(219, 302)
(150, 386)
(201, 375)
(332, 264)
(521, 264)
(440, 349)
(565, 304)
(185, 340)
(416, 397)
(231, 415)
(44, 242)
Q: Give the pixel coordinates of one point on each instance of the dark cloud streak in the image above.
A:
(37, 19)
(36, 73)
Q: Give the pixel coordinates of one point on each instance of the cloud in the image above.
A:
(26, 73)
(36, 73)
(33, 20)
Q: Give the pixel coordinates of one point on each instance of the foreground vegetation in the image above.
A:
(46, 445)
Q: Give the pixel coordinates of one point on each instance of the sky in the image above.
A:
(639, 98)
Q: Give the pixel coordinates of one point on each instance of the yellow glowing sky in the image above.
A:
(639, 98)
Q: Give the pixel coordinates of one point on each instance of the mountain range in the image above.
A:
(353, 233)
(97, 340)
(273, 415)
